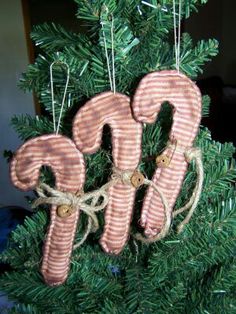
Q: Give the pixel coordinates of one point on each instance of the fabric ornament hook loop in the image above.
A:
(177, 37)
(113, 55)
(111, 72)
(107, 56)
(56, 128)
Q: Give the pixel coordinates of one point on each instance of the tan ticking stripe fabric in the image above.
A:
(114, 110)
(67, 164)
(154, 89)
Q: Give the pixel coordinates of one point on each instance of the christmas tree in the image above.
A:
(190, 272)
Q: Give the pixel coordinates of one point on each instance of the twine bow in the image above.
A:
(88, 202)
(81, 202)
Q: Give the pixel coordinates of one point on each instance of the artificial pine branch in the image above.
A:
(188, 273)
(54, 37)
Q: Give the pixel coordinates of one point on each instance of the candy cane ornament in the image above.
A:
(114, 110)
(154, 89)
(67, 164)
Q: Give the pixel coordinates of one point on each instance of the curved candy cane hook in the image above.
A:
(176, 88)
(67, 164)
(114, 110)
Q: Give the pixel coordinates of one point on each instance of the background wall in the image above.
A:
(228, 46)
(217, 19)
(13, 62)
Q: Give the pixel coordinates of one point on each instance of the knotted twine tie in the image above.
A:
(191, 154)
(48, 195)
(57, 198)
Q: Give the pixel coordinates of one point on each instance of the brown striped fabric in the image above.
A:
(114, 110)
(154, 89)
(67, 164)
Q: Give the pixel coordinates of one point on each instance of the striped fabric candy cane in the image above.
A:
(154, 89)
(67, 164)
(114, 110)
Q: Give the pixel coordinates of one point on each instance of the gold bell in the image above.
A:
(64, 211)
(162, 161)
(137, 179)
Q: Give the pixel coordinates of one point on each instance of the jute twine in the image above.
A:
(87, 202)
(191, 154)
(92, 202)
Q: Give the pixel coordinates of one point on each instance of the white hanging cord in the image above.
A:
(179, 32)
(56, 128)
(113, 56)
(52, 95)
(107, 57)
(177, 36)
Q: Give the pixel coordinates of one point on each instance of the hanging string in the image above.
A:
(56, 128)
(52, 95)
(107, 57)
(111, 72)
(179, 31)
(113, 55)
(177, 36)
